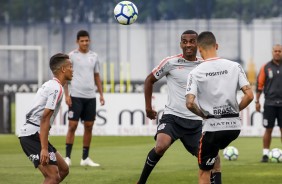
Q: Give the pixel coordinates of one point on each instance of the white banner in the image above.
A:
(124, 115)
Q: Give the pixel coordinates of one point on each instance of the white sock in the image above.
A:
(265, 151)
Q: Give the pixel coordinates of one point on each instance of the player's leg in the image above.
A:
(216, 172)
(73, 117)
(269, 116)
(62, 166)
(163, 141)
(50, 173)
(207, 154)
(88, 116)
(279, 119)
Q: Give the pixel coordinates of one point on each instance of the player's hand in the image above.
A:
(44, 157)
(151, 113)
(68, 101)
(258, 107)
(102, 100)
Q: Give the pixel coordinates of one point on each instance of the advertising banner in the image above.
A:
(124, 115)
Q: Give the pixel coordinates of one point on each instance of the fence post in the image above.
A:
(5, 113)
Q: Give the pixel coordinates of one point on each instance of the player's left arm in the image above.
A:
(247, 98)
(44, 131)
(99, 87)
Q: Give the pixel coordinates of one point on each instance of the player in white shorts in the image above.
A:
(177, 122)
(81, 96)
(215, 84)
(33, 134)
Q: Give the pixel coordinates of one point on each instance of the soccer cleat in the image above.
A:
(88, 162)
(264, 158)
(68, 161)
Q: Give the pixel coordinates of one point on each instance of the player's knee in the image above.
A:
(72, 129)
(88, 128)
(54, 179)
(64, 173)
(161, 149)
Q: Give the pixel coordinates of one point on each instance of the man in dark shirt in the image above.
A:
(269, 81)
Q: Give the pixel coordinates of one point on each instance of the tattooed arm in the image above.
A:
(247, 98)
(192, 106)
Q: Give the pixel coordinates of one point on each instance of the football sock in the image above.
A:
(151, 161)
(68, 150)
(265, 151)
(85, 152)
(217, 177)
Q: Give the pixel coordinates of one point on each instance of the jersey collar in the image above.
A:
(54, 78)
(212, 59)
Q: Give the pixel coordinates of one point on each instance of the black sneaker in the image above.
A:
(264, 158)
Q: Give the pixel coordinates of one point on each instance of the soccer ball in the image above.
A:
(126, 12)
(230, 153)
(275, 155)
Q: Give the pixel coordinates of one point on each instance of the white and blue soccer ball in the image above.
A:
(275, 155)
(230, 153)
(126, 12)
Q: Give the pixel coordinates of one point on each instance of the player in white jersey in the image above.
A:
(81, 96)
(39, 119)
(215, 84)
(176, 122)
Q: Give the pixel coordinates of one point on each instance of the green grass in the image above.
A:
(122, 159)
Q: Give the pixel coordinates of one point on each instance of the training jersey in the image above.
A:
(269, 81)
(49, 96)
(215, 83)
(84, 66)
(176, 69)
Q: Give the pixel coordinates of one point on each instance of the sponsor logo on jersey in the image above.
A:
(189, 82)
(161, 70)
(212, 74)
(180, 60)
(54, 97)
(221, 110)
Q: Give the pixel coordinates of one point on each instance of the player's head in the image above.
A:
(207, 43)
(188, 44)
(60, 65)
(83, 40)
(277, 52)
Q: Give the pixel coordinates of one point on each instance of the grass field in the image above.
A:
(122, 160)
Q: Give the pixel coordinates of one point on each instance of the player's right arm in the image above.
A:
(149, 82)
(259, 87)
(44, 131)
(67, 95)
(247, 98)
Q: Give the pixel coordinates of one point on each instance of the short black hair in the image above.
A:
(206, 39)
(82, 33)
(190, 32)
(56, 61)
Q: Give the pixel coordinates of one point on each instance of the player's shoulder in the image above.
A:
(52, 85)
(75, 51)
(92, 53)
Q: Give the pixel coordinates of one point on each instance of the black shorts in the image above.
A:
(83, 109)
(271, 113)
(187, 130)
(211, 143)
(32, 147)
